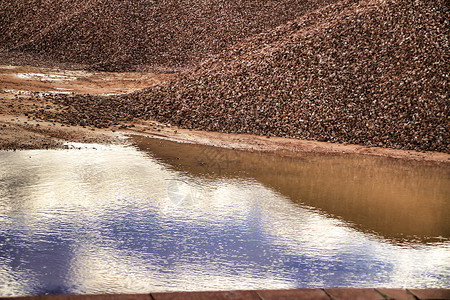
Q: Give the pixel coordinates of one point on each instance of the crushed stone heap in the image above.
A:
(124, 35)
(369, 72)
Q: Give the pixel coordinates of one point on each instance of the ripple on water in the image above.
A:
(166, 217)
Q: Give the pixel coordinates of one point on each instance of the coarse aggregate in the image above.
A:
(124, 35)
(368, 72)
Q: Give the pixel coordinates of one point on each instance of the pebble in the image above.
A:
(371, 73)
(124, 35)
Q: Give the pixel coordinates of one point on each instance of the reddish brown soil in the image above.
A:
(22, 90)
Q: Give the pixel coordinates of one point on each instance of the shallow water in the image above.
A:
(45, 77)
(161, 216)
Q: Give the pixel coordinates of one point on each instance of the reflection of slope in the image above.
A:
(340, 245)
(266, 235)
(102, 219)
(374, 194)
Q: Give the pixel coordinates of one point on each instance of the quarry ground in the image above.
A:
(22, 88)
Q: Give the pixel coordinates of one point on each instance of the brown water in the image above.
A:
(162, 216)
(397, 200)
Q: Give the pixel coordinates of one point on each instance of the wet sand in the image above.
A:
(282, 146)
(21, 89)
(28, 80)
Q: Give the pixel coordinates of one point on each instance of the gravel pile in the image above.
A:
(124, 35)
(370, 72)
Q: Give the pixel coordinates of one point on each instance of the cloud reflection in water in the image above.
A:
(118, 220)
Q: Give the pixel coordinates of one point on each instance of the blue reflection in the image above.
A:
(46, 260)
(49, 238)
(239, 245)
(229, 246)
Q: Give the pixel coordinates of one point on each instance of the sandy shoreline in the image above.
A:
(21, 94)
(281, 146)
(21, 133)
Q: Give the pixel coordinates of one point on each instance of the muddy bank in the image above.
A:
(280, 146)
(23, 90)
(26, 93)
(21, 133)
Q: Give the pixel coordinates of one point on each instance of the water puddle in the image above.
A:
(17, 80)
(20, 92)
(162, 216)
(45, 77)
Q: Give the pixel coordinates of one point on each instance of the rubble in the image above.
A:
(373, 73)
(125, 35)
(369, 72)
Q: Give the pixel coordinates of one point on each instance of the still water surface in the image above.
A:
(162, 216)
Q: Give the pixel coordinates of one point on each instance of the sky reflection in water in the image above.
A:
(117, 219)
